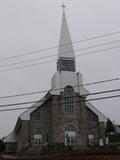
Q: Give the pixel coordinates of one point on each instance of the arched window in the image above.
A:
(70, 135)
(69, 99)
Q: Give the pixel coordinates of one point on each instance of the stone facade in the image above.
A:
(52, 120)
(41, 118)
(23, 135)
(93, 126)
(11, 147)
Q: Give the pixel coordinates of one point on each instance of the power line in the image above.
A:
(97, 51)
(54, 47)
(90, 94)
(83, 54)
(17, 104)
(44, 91)
(102, 92)
(94, 99)
(64, 53)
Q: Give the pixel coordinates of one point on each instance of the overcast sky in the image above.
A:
(30, 25)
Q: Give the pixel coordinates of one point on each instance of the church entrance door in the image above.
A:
(70, 135)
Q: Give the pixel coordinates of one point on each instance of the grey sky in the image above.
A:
(28, 25)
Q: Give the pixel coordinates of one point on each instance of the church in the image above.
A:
(63, 115)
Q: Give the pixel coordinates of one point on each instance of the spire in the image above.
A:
(66, 57)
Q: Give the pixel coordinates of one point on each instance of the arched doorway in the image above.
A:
(70, 135)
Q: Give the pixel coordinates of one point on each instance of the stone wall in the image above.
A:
(102, 129)
(93, 125)
(41, 118)
(52, 120)
(10, 147)
(62, 119)
(23, 135)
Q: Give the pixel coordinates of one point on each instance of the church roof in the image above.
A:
(100, 115)
(26, 114)
(65, 43)
(11, 138)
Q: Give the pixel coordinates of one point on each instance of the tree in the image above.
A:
(109, 127)
(114, 138)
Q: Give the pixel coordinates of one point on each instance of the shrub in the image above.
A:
(51, 150)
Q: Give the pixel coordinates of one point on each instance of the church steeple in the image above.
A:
(66, 57)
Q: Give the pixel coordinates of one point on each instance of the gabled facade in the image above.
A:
(62, 116)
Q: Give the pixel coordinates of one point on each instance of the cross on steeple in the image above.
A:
(63, 6)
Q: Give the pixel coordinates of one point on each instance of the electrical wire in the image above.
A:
(80, 101)
(83, 54)
(54, 55)
(84, 95)
(44, 91)
(54, 47)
